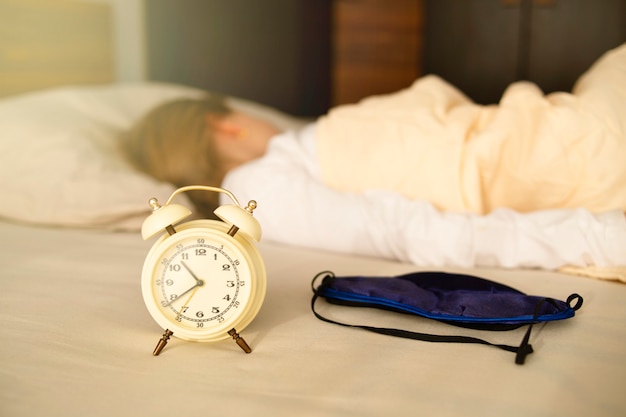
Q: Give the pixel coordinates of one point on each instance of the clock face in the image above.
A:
(200, 284)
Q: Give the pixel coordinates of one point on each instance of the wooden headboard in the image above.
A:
(46, 43)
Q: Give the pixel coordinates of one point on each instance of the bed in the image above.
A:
(78, 340)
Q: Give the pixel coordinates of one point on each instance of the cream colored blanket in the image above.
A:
(531, 151)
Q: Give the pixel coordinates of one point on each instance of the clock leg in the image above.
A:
(162, 342)
(239, 340)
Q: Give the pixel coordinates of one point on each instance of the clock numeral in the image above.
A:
(180, 246)
(200, 240)
(215, 310)
(166, 303)
(200, 314)
(169, 282)
(226, 267)
(200, 252)
(220, 319)
(185, 256)
(174, 267)
(230, 284)
(199, 324)
(227, 298)
(236, 304)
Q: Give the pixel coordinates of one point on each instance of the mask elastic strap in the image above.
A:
(525, 348)
(521, 351)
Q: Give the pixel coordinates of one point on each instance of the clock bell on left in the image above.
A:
(203, 280)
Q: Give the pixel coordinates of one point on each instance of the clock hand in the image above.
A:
(191, 272)
(182, 309)
(199, 283)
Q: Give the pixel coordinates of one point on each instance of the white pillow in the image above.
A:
(59, 157)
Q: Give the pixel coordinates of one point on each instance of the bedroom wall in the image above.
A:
(276, 52)
(301, 55)
(46, 43)
(482, 46)
(128, 39)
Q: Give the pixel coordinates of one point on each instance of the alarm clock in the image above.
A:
(203, 280)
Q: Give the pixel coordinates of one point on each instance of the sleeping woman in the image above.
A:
(423, 175)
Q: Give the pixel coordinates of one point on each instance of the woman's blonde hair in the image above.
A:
(174, 143)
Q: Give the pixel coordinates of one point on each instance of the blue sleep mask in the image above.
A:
(458, 299)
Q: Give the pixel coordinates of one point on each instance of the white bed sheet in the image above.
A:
(77, 341)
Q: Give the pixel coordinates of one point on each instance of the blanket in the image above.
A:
(531, 151)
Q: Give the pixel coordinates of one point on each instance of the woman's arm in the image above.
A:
(544, 239)
(294, 208)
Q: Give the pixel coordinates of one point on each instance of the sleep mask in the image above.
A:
(458, 299)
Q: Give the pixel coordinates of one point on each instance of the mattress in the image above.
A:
(78, 340)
